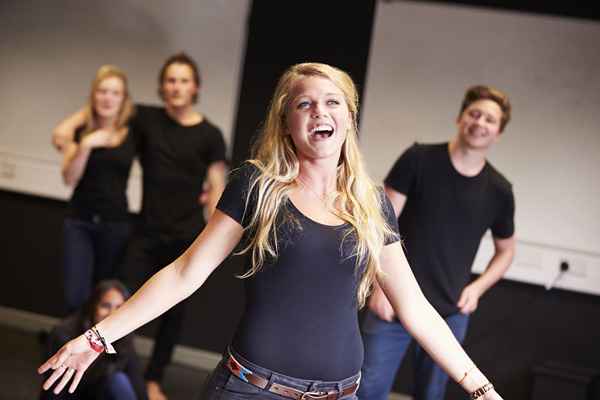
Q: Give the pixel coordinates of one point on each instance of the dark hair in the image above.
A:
(179, 58)
(89, 308)
(482, 92)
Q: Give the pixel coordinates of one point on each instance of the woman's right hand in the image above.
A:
(98, 138)
(70, 362)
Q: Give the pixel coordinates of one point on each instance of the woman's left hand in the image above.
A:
(70, 362)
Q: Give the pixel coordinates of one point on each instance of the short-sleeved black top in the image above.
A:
(445, 217)
(301, 310)
(101, 191)
(175, 160)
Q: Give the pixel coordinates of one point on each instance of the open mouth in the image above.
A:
(322, 131)
(478, 132)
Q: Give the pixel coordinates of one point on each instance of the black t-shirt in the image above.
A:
(445, 216)
(102, 188)
(175, 160)
(301, 309)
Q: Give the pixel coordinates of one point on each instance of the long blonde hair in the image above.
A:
(126, 110)
(358, 198)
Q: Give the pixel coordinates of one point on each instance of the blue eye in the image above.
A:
(303, 104)
(333, 102)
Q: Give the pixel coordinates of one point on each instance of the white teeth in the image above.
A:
(323, 128)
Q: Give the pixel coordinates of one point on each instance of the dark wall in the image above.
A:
(279, 35)
(517, 326)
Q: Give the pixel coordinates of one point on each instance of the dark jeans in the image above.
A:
(92, 252)
(223, 385)
(385, 346)
(146, 255)
(118, 387)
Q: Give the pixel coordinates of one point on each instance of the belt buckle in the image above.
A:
(314, 395)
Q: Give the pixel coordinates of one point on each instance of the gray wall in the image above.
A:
(50, 52)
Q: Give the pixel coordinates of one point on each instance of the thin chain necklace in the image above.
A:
(322, 199)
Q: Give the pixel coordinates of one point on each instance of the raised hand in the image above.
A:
(98, 138)
(70, 362)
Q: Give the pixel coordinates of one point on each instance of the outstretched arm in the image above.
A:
(424, 324)
(166, 288)
(64, 132)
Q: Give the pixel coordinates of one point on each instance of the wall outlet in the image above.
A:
(577, 267)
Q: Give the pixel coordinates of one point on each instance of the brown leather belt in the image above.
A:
(246, 375)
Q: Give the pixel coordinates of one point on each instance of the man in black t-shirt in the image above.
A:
(446, 196)
(183, 161)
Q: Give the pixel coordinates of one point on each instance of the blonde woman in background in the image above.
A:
(317, 233)
(96, 163)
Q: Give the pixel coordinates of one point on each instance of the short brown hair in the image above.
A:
(483, 92)
(179, 58)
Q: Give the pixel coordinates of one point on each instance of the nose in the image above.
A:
(317, 111)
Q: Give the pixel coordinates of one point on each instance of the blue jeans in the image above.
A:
(117, 386)
(223, 385)
(385, 346)
(92, 252)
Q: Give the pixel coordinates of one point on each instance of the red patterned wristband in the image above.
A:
(94, 342)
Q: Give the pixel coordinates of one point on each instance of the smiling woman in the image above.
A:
(327, 254)
(97, 163)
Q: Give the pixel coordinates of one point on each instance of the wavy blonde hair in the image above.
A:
(358, 199)
(126, 110)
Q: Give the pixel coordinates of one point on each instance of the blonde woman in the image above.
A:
(97, 163)
(317, 233)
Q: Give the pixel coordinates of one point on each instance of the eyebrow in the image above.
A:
(326, 94)
(487, 114)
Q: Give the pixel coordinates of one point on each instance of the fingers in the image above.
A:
(55, 375)
(65, 379)
(469, 306)
(53, 362)
(76, 380)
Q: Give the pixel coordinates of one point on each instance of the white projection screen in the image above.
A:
(424, 56)
(50, 51)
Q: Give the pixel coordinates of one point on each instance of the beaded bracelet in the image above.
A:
(481, 391)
